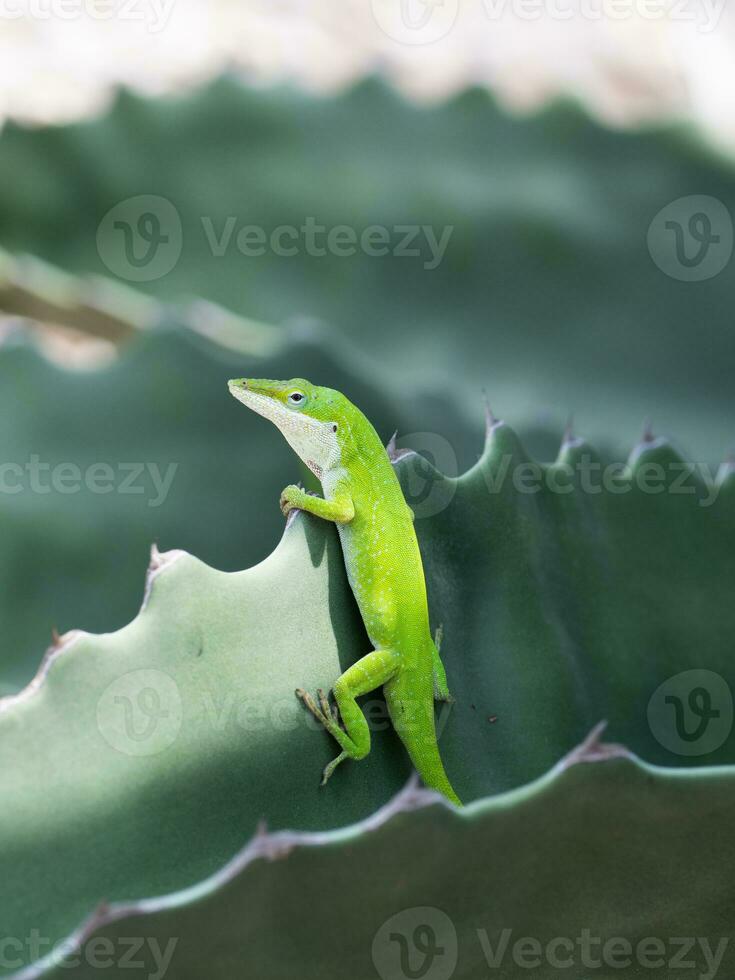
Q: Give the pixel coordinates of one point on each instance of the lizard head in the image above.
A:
(312, 419)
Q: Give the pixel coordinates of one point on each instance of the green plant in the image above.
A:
(145, 757)
(559, 610)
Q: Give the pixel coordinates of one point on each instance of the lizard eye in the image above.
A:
(295, 398)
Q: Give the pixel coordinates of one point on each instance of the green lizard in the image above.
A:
(363, 497)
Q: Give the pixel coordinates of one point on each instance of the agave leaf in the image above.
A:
(559, 610)
(534, 878)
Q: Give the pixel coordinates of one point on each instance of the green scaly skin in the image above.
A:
(363, 497)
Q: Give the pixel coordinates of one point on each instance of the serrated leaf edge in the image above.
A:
(277, 846)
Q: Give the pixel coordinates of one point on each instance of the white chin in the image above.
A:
(303, 434)
(261, 404)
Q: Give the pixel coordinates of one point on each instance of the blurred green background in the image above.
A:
(546, 295)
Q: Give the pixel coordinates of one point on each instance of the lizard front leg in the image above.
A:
(338, 508)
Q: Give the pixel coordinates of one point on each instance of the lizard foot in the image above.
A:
(329, 717)
(323, 712)
(329, 769)
(327, 710)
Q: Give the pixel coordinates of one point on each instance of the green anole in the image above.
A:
(363, 497)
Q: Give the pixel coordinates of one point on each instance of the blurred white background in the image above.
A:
(630, 61)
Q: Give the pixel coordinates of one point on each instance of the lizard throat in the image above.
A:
(315, 468)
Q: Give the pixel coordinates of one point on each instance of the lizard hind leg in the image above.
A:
(441, 688)
(369, 673)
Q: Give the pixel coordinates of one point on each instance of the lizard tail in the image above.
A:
(428, 764)
(410, 701)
